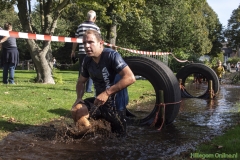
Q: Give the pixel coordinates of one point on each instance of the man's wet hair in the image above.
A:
(96, 33)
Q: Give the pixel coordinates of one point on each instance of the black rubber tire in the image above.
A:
(162, 78)
(206, 71)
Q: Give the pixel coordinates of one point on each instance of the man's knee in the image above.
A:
(79, 111)
(83, 121)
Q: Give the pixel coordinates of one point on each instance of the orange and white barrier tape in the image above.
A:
(76, 40)
(39, 36)
(146, 52)
(137, 51)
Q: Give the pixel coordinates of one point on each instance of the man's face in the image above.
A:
(92, 46)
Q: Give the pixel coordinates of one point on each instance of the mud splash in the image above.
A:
(199, 120)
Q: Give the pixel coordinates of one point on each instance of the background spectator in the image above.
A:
(10, 55)
(88, 24)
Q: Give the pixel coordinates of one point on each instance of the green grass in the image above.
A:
(28, 103)
(227, 143)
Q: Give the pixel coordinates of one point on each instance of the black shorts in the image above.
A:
(116, 118)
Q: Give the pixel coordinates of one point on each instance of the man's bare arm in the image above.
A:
(80, 86)
(74, 46)
(127, 79)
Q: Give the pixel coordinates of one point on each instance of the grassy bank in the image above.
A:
(222, 147)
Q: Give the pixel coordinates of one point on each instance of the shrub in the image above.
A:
(233, 60)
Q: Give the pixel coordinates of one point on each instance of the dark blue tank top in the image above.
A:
(104, 74)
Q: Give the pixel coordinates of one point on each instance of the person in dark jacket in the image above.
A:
(10, 55)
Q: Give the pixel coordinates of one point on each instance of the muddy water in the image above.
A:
(199, 120)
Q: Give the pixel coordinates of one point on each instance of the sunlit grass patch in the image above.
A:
(227, 143)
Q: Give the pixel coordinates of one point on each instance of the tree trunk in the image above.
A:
(42, 57)
(238, 51)
(42, 64)
(42, 61)
(112, 34)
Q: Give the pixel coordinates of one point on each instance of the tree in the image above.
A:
(114, 12)
(215, 30)
(41, 53)
(169, 25)
(232, 33)
(110, 16)
(6, 4)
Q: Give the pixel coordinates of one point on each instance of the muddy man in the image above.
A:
(111, 76)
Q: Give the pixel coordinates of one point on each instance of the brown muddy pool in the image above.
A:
(199, 120)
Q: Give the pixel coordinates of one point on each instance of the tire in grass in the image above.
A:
(202, 69)
(162, 78)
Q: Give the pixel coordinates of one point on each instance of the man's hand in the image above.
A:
(101, 99)
(72, 54)
(74, 46)
(76, 102)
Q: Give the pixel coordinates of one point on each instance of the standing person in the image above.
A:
(88, 24)
(54, 62)
(1, 48)
(111, 75)
(10, 56)
(238, 66)
(219, 69)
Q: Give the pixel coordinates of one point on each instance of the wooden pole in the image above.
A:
(161, 98)
(210, 89)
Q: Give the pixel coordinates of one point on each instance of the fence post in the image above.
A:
(161, 98)
(28, 66)
(210, 89)
(23, 65)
